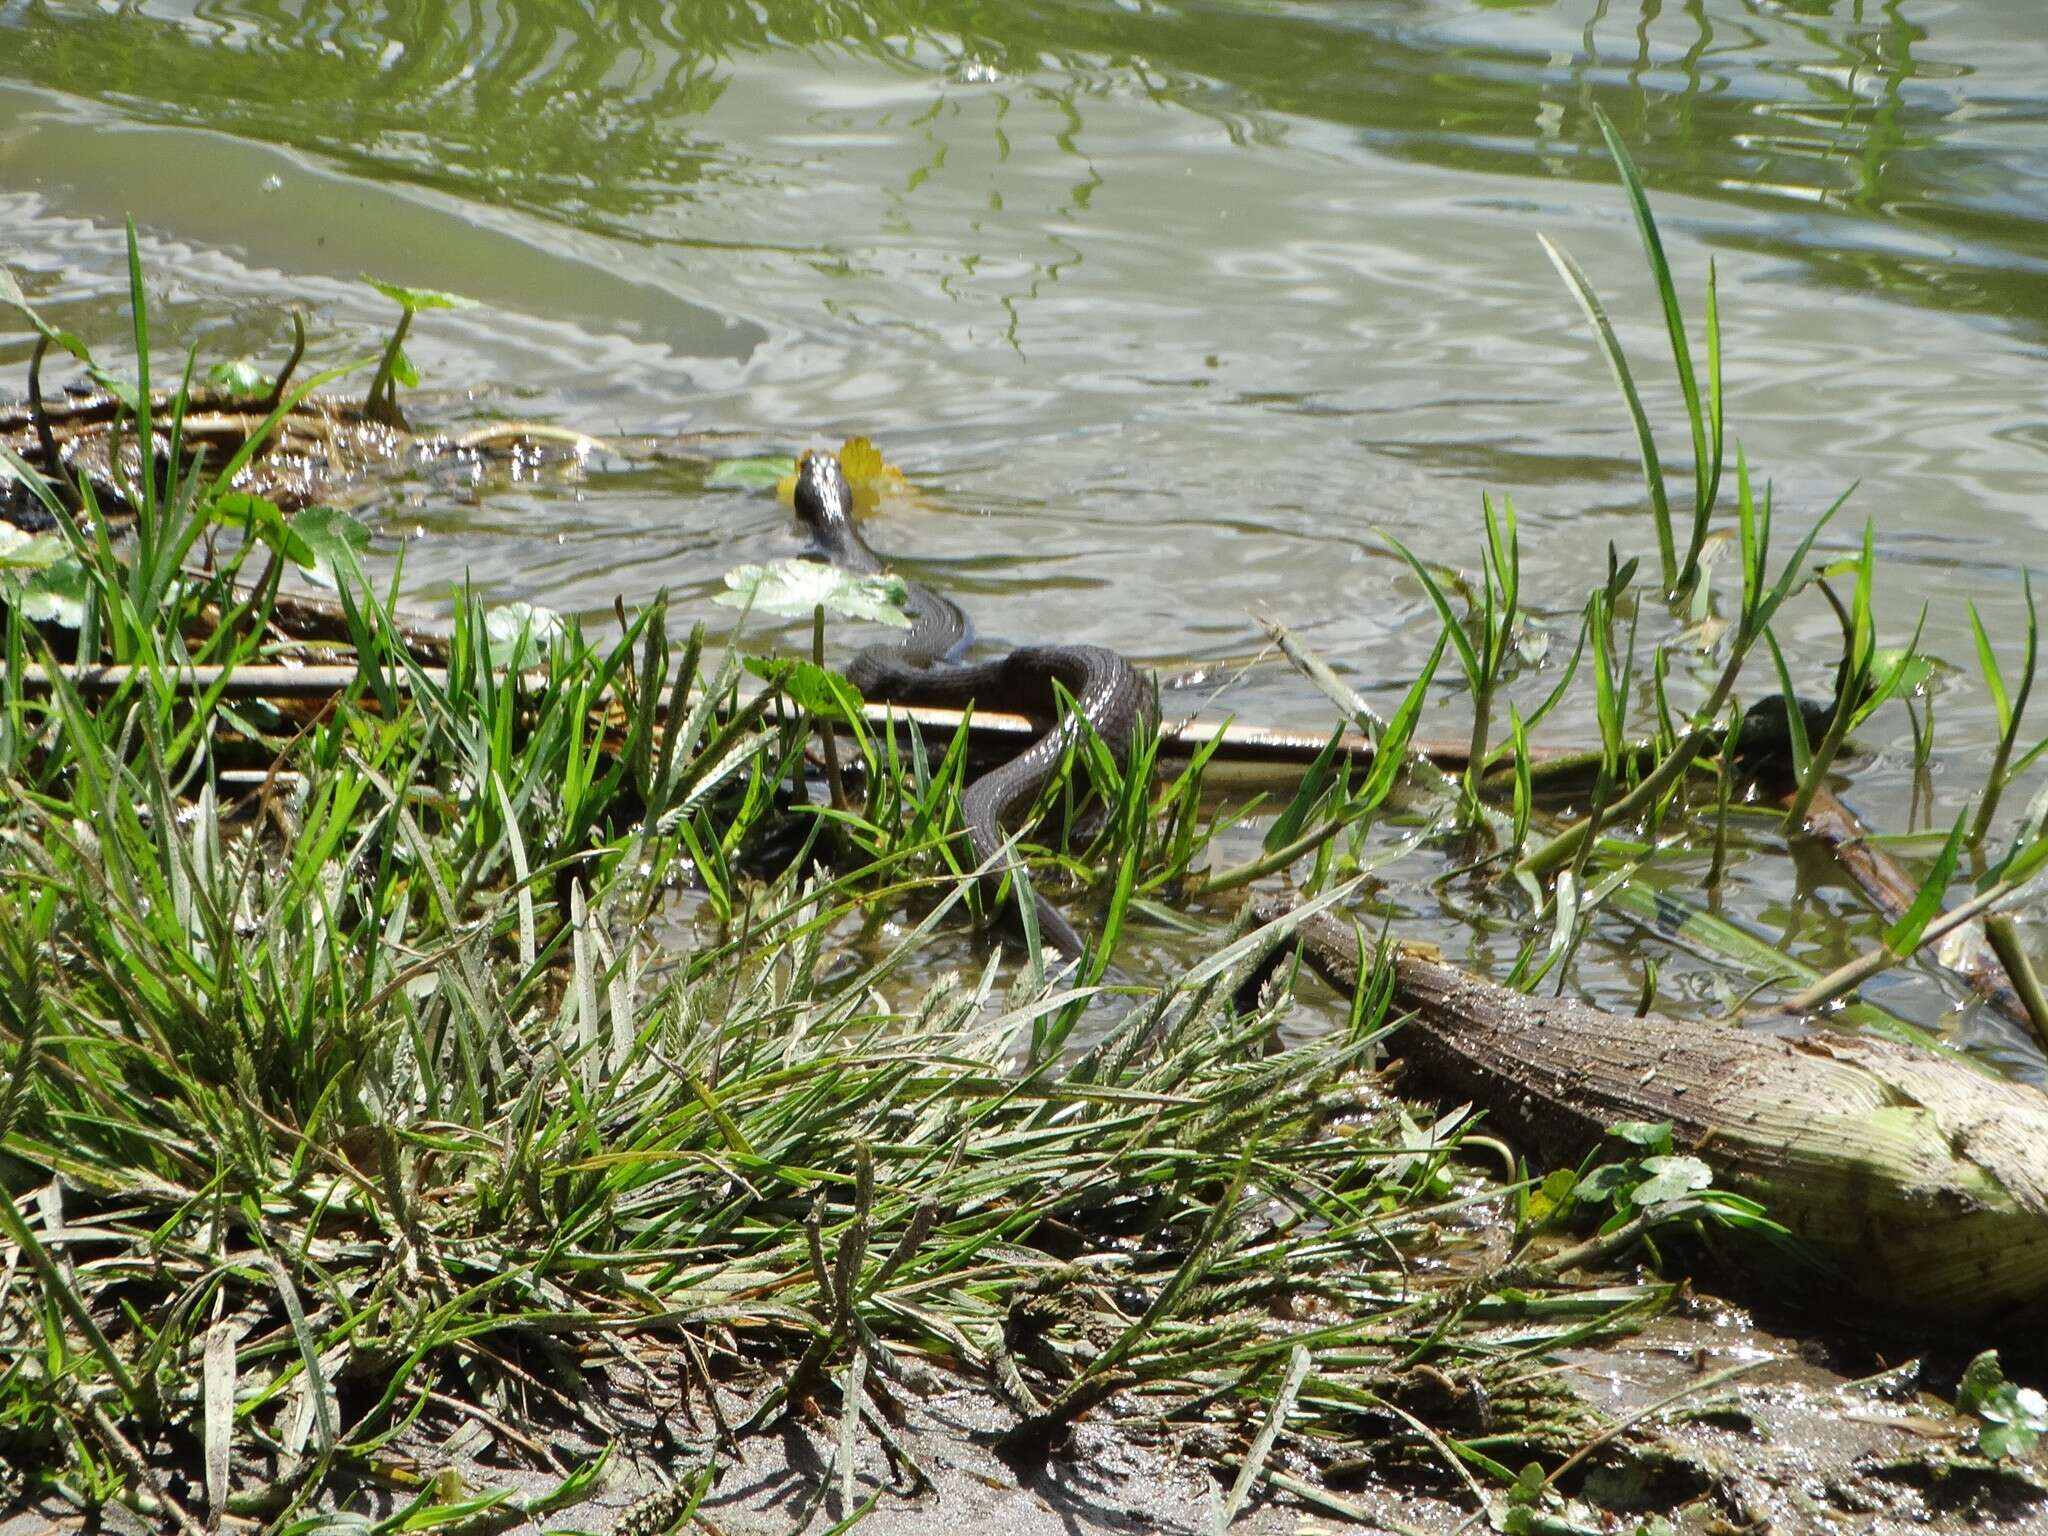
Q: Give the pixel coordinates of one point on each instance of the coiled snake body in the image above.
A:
(914, 670)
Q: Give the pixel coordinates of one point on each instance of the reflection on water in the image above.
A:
(1169, 309)
(1931, 121)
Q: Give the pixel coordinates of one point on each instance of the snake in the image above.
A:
(922, 667)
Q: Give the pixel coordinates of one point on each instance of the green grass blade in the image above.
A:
(1904, 935)
(1674, 321)
(1617, 363)
(1468, 658)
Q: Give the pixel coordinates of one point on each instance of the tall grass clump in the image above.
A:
(367, 1104)
(359, 1098)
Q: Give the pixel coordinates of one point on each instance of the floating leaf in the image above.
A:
(793, 588)
(239, 377)
(418, 298)
(860, 460)
(334, 540)
(752, 474)
(520, 633)
(1916, 670)
(871, 476)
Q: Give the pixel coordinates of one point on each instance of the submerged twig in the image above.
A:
(1892, 891)
(1846, 978)
(2004, 939)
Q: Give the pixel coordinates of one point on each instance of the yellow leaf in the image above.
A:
(861, 459)
(868, 473)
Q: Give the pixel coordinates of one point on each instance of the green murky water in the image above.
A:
(1168, 307)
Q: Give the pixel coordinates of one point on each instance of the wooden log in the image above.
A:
(1918, 1182)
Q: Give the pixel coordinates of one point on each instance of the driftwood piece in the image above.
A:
(320, 450)
(320, 444)
(1919, 1182)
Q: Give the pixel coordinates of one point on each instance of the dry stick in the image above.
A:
(111, 1437)
(1253, 744)
(501, 432)
(1441, 1446)
(498, 1426)
(1321, 1498)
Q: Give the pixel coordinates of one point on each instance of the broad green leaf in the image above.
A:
(29, 552)
(1643, 1133)
(1671, 1178)
(334, 539)
(2014, 1417)
(1607, 1181)
(10, 290)
(813, 688)
(403, 371)
(750, 474)
(56, 594)
(1549, 1197)
(261, 518)
(239, 377)
(418, 298)
(1915, 670)
(823, 692)
(123, 390)
(520, 633)
(795, 588)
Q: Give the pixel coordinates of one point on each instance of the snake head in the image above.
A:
(823, 498)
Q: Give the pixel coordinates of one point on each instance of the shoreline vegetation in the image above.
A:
(368, 1136)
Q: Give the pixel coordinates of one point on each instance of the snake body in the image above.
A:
(918, 669)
